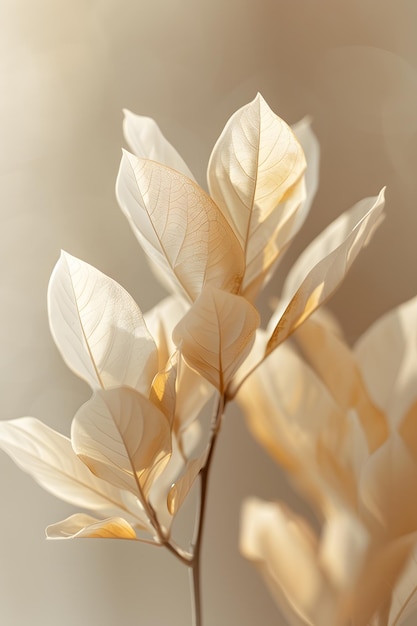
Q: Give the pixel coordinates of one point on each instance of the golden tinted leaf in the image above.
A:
(81, 525)
(323, 265)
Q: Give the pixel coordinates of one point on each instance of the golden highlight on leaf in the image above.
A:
(84, 526)
(323, 265)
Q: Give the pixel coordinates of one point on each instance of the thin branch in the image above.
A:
(195, 571)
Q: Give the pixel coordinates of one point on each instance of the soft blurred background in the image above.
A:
(66, 71)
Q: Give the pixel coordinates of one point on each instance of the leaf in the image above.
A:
(163, 393)
(290, 412)
(379, 580)
(323, 265)
(49, 458)
(255, 176)
(161, 321)
(123, 438)
(336, 365)
(345, 543)
(387, 488)
(81, 525)
(216, 335)
(269, 243)
(192, 391)
(98, 328)
(181, 487)
(387, 356)
(147, 141)
(180, 228)
(284, 549)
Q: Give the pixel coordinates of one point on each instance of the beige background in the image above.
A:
(66, 71)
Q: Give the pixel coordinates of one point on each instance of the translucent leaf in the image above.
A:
(278, 236)
(387, 488)
(270, 242)
(323, 265)
(49, 458)
(161, 321)
(344, 546)
(123, 438)
(284, 550)
(254, 176)
(192, 391)
(216, 335)
(379, 579)
(180, 228)
(181, 488)
(291, 413)
(98, 327)
(158, 496)
(387, 355)
(336, 365)
(81, 525)
(147, 141)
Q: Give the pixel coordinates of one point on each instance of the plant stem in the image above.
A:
(195, 565)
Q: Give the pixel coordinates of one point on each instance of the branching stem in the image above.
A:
(193, 559)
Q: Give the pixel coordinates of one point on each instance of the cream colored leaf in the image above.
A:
(158, 496)
(192, 391)
(278, 236)
(387, 488)
(254, 171)
(161, 321)
(81, 525)
(284, 549)
(269, 242)
(344, 546)
(323, 265)
(387, 356)
(291, 413)
(379, 578)
(180, 228)
(181, 488)
(336, 365)
(147, 141)
(123, 438)
(98, 328)
(49, 458)
(216, 335)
